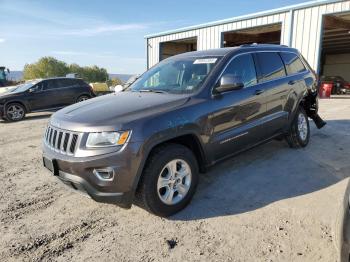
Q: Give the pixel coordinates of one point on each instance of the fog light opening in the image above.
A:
(104, 174)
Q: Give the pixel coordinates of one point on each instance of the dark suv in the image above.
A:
(42, 95)
(148, 144)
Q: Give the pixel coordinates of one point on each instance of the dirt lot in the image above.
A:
(271, 203)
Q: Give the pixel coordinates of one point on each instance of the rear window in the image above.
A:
(49, 84)
(293, 63)
(332, 78)
(62, 83)
(270, 66)
(66, 82)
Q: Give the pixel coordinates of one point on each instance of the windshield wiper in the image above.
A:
(153, 91)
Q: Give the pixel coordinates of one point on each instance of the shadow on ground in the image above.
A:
(31, 117)
(272, 172)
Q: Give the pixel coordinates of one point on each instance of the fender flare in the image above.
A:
(148, 149)
(19, 101)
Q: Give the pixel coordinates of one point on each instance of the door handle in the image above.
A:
(259, 92)
(291, 82)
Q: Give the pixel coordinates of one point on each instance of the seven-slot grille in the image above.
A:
(63, 141)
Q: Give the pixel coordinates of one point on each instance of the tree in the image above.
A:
(51, 67)
(89, 73)
(114, 81)
(44, 68)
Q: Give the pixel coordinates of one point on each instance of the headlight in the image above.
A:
(107, 139)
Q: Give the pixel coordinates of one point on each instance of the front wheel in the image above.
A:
(299, 133)
(169, 180)
(15, 112)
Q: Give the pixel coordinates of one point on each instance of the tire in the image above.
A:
(14, 112)
(299, 133)
(160, 195)
(83, 98)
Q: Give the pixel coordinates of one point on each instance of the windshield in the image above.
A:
(176, 76)
(24, 87)
(2, 75)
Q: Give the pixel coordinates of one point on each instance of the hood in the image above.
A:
(9, 93)
(114, 111)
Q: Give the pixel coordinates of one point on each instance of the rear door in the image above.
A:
(53, 98)
(272, 76)
(237, 114)
(66, 88)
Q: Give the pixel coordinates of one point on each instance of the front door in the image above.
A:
(236, 122)
(45, 96)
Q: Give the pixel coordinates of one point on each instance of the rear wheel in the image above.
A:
(15, 112)
(82, 98)
(169, 180)
(299, 133)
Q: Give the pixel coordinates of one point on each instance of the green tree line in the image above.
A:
(51, 67)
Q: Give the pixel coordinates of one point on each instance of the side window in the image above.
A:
(243, 66)
(41, 86)
(49, 84)
(270, 66)
(293, 63)
(79, 82)
(61, 83)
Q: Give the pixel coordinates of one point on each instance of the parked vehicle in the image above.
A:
(100, 88)
(182, 116)
(337, 84)
(42, 95)
(3, 76)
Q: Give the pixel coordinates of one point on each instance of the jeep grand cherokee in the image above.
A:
(148, 144)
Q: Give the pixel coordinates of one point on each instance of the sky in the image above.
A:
(108, 34)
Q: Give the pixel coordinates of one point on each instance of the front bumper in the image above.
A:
(79, 173)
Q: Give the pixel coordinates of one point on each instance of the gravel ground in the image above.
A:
(271, 203)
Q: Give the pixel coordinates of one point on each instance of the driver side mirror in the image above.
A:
(229, 82)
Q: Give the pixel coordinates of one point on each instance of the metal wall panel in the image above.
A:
(306, 31)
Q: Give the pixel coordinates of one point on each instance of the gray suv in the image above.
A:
(148, 144)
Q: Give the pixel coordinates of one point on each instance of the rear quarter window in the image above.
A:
(61, 83)
(293, 63)
(81, 82)
(270, 66)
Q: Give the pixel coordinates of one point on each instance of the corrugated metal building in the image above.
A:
(319, 29)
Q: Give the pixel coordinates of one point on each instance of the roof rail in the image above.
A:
(262, 44)
(252, 44)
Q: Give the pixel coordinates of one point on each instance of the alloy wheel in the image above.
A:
(302, 127)
(15, 112)
(83, 98)
(174, 182)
